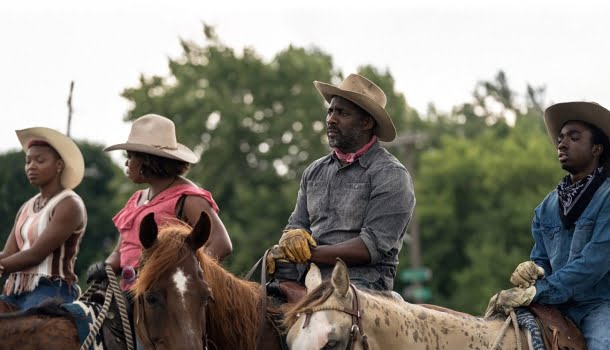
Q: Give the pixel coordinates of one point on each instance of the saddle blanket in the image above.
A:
(526, 320)
(84, 315)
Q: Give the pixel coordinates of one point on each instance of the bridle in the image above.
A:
(355, 329)
(142, 316)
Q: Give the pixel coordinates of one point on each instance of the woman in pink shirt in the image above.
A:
(154, 157)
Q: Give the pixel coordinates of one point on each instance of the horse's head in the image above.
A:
(329, 316)
(171, 293)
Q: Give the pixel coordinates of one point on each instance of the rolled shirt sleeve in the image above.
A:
(388, 212)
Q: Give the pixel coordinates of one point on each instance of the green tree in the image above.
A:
(256, 125)
(477, 192)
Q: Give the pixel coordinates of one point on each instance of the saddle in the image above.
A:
(285, 283)
(558, 332)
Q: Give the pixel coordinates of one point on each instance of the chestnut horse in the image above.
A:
(336, 315)
(167, 289)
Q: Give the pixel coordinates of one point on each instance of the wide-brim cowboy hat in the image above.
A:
(368, 96)
(156, 135)
(558, 114)
(74, 164)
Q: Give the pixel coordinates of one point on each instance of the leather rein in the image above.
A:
(355, 312)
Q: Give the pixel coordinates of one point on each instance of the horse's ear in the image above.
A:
(340, 278)
(201, 232)
(148, 231)
(313, 278)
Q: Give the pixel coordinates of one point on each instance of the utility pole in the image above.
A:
(70, 108)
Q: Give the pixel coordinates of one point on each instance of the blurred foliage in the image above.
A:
(479, 169)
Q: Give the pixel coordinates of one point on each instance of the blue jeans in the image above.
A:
(46, 289)
(594, 327)
(593, 321)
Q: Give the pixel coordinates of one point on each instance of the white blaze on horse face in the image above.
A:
(180, 281)
(315, 335)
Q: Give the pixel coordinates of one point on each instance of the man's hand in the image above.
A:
(275, 253)
(295, 244)
(97, 272)
(506, 300)
(526, 274)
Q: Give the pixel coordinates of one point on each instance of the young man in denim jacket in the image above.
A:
(355, 203)
(570, 260)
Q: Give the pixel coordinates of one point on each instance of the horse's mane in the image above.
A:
(169, 249)
(236, 306)
(319, 295)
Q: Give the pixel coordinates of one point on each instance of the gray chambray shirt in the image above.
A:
(372, 198)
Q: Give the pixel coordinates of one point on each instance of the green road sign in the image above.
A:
(417, 293)
(415, 274)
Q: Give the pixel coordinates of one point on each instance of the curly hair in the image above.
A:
(155, 166)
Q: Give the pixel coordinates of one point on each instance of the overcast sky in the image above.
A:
(435, 50)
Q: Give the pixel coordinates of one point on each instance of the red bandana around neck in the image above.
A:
(351, 157)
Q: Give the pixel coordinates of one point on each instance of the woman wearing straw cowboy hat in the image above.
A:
(569, 265)
(155, 157)
(355, 203)
(41, 249)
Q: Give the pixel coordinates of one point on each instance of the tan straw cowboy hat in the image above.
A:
(558, 114)
(156, 135)
(368, 96)
(74, 164)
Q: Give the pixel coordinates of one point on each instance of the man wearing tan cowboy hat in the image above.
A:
(355, 203)
(569, 264)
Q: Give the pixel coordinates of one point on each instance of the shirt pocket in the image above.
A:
(582, 235)
(349, 201)
(315, 197)
(550, 235)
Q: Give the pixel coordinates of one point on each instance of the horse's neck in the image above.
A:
(235, 307)
(391, 325)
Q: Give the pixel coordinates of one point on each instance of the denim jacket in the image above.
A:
(576, 261)
(371, 198)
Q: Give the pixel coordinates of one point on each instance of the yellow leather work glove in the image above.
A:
(506, 300)
(526, 274)
(295, 244)
(275, 253)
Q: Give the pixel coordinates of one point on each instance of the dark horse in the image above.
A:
(50, 326)
(175, 282)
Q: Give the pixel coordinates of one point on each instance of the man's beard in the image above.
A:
(346, 142)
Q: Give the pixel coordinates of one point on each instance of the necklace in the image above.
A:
(39, 203)
(148, 196)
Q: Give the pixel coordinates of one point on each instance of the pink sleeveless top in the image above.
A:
(127, 221)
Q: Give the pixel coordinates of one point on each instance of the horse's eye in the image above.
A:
(152, 299)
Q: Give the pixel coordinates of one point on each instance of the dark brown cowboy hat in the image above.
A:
(368, 96)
